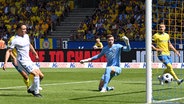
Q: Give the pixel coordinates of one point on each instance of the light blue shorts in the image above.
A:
(165, 59)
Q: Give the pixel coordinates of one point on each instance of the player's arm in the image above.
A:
(33, 50)
(156, 49)
(126, 40)
(14, 58)
(93, 58)
(154, 43)
(174, 49)
(8, 53)
(85, 60)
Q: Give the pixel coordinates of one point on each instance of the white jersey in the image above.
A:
(22, 45)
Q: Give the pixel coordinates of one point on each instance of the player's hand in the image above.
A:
(125, 38)
(82, 61)
(159, 50)
(177, 53)
(4, 67)
(37, 58)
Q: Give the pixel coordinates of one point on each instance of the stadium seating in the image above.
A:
(40, 16)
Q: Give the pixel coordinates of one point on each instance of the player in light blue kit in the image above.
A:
(113, 54)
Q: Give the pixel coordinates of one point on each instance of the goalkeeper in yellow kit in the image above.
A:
(162, 46)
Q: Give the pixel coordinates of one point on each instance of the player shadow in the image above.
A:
(10, 89)
(88, 90)
(87, 98)
(162, 89)
(15, 93)
(135, 83)
(100, 96)
(10, 95)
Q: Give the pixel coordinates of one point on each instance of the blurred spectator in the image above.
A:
(39, 15)
(54, 19)
(2, 43)
(111, 17)
(100, 31)
(79, 37)
(89, 36)
(121, 34)
(98, 44)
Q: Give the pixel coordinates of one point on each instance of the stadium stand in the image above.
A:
(125, 17)
(69, 25)
(40, 16)
(171, 13)
(60, 19)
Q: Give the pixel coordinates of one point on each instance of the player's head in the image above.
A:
(21, 29)
(110, 40)
(162, 28)
(97, 40)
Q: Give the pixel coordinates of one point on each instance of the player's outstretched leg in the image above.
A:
(171, 71)
(160, 78)
(102, 83)
(106, 79)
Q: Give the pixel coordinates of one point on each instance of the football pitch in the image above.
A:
(80, 86)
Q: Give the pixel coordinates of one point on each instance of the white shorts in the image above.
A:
(27, 66)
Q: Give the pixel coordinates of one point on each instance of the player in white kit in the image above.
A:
(22, 44)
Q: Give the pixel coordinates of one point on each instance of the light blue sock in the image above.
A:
(107, 77)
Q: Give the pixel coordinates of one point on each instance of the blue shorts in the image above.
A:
(165, 59)
(117, 72)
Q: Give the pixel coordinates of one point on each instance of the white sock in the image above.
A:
(31, 87)
(36, 84)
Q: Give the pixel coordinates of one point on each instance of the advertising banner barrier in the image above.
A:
(75, 55)
(96, 65)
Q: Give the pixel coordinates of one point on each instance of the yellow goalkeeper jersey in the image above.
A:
(162, 42)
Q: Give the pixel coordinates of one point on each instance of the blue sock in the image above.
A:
(107, 77)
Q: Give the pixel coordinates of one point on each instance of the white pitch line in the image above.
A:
(51, 84)
(169, 100)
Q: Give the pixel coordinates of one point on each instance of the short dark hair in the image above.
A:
(109, 36)
(19, 25)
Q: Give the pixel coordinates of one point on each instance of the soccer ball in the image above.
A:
(167, 78)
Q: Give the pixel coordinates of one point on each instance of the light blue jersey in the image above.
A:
(113, 54)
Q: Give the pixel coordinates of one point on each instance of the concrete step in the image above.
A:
(61, 34)
(58, 36)
(64, 28)
(83, 9)
(66, 33)
(74, 19)
(70, 24)
(80, 15)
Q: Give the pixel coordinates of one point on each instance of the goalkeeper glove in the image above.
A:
(126, 40)
(85, 60)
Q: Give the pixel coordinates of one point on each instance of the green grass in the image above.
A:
(80, 86)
